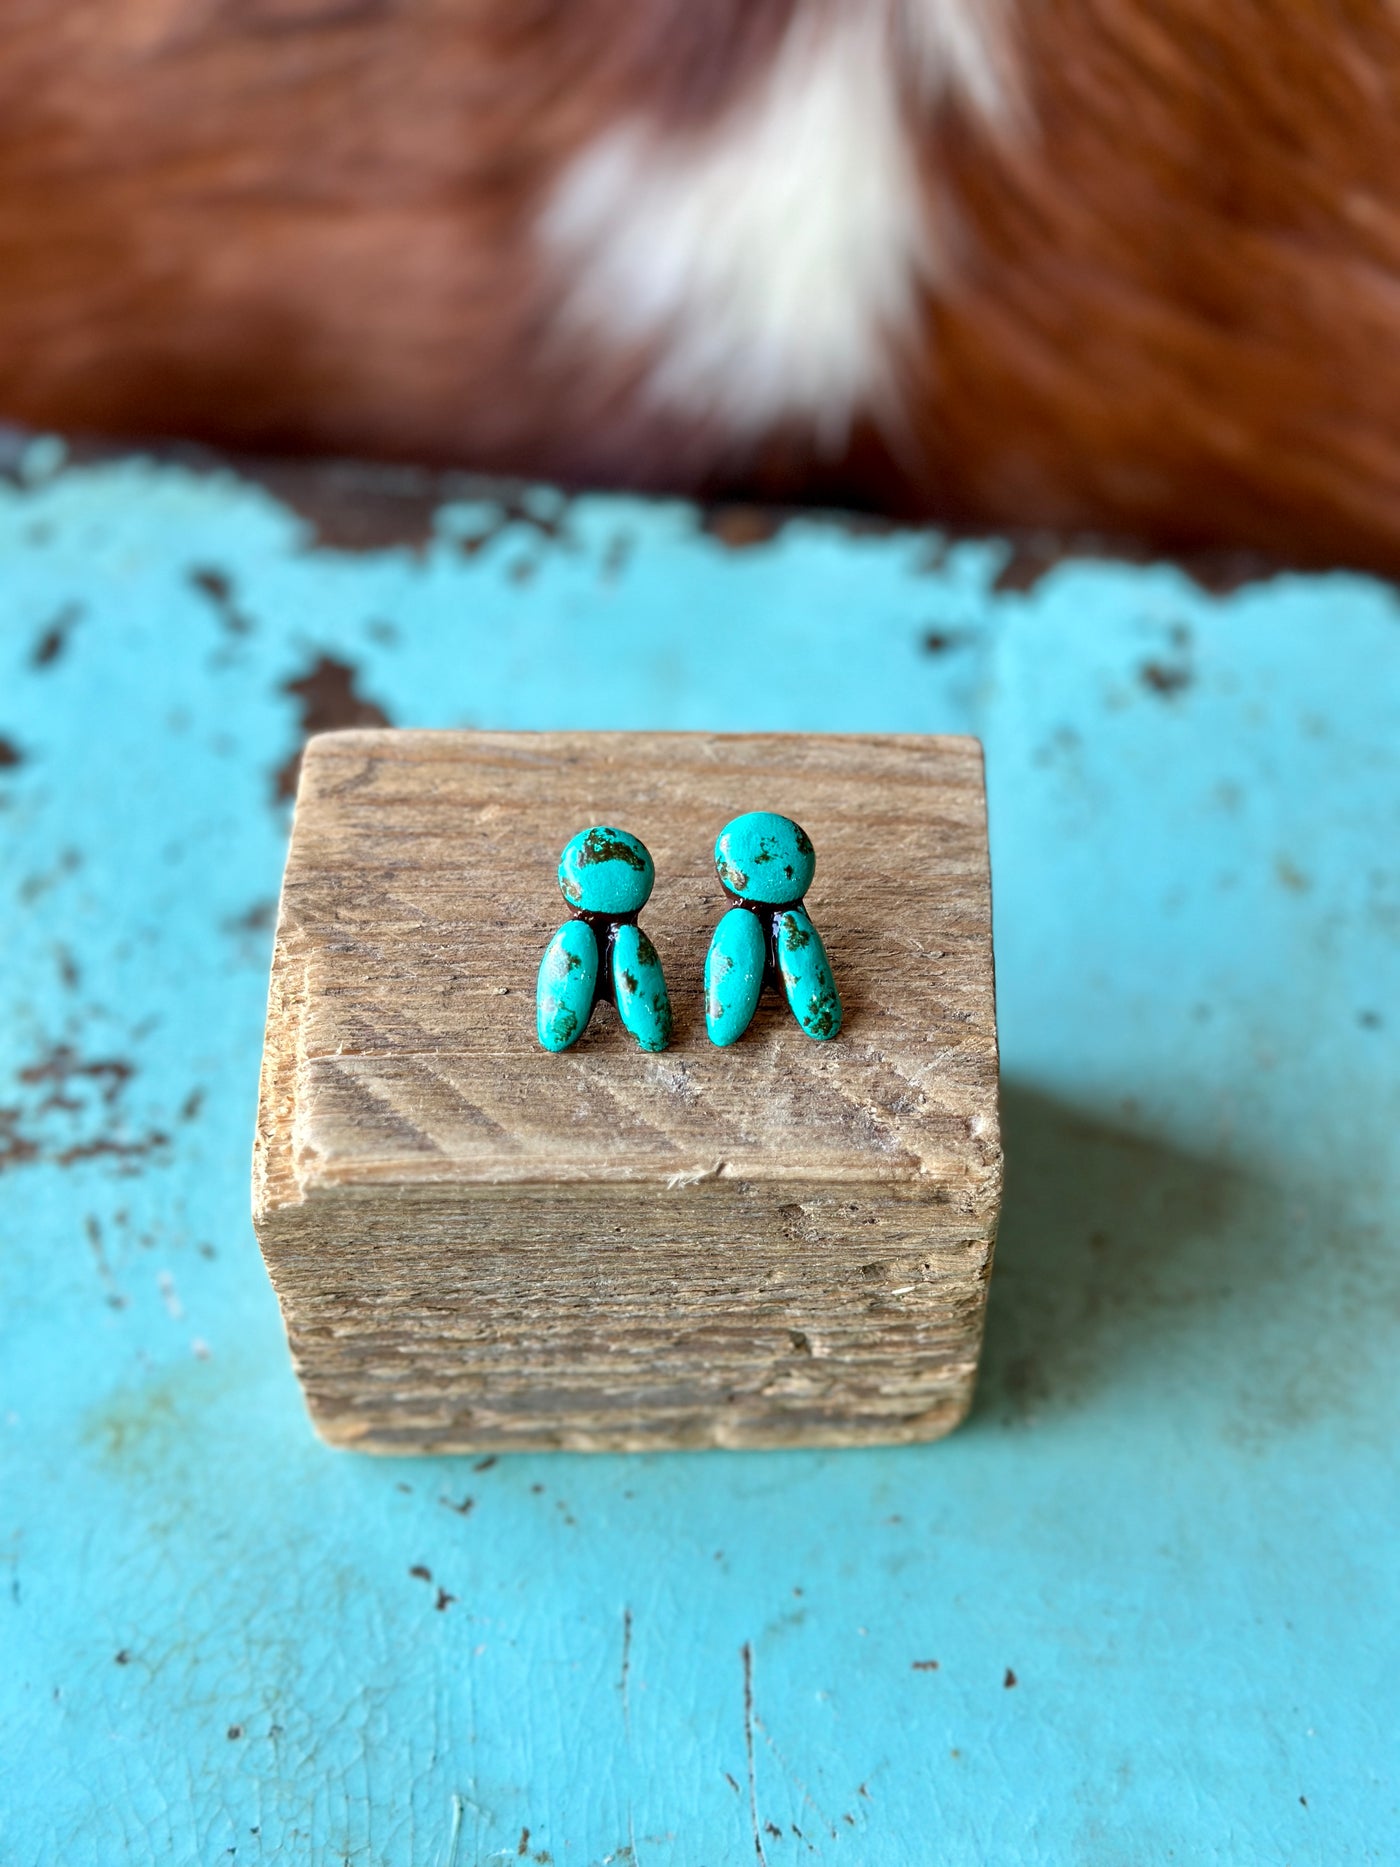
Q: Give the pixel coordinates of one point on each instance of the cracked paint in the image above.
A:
(1171, 1520)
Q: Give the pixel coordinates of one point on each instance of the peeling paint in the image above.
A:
(1184, 1440)
(329, 701)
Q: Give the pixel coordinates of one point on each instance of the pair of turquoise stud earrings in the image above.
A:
(765, 865)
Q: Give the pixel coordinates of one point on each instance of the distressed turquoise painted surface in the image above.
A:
(643, 1003)
(1172, 1516)
(568, 978)
(806, 975)
(733, 975)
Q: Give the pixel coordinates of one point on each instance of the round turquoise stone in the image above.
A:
(733, 975)
(807, 980)
(639, 988)
(567, 981)
(766, 858)
(606, 871)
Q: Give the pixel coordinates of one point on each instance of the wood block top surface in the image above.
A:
(421, 889)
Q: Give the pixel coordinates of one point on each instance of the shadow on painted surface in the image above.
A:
(1127, 1269)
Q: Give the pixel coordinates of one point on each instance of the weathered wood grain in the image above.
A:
(479, 1245)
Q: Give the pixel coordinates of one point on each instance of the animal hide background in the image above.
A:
(1129, 265)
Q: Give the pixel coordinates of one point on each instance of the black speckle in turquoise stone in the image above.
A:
(806, 973)
(567, 984)
(639, 989)
(733, 975)
(765, 858)
(606, 871)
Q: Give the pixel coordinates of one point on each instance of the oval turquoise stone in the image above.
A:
(733, 975)
(567, 981)
(606, 871)
(807, 980)
(640, 989)
(762, 857)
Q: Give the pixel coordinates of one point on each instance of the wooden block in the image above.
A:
(480, 1245)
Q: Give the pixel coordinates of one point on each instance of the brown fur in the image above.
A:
(1181, 312)
(305, 224)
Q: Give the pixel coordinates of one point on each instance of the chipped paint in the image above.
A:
(1171, 1520)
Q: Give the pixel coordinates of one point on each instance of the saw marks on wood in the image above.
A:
(478, 1244)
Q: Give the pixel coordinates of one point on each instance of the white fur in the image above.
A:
(965, 48)
(770, 266)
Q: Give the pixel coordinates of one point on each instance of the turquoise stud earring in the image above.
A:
(765, 865)
(606, 877)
